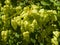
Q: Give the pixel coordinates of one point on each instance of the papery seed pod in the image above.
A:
(18, 9)
(54, 41)
(18, 20)
(26, 8)
(54, 12)
(26, 35)
(55, 17)
(34, 11)
(22, 26)
(56, 33)
(51, 12)
(34, 7)
(14, 24)
(41, 11)
(26, 25)
(19, 23)
(35, 24)
(6, 9)
(4, 35)
(6, 6)
(7, 2)
(4, 18)
(31, 28)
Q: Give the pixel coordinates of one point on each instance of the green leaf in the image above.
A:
(45, 3)
(41, 44)
(33, 40)
(57, 3)
(58, 8)
(53, 0)
(17, 35)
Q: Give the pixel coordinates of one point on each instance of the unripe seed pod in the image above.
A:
(14, 24)
(26, 35)
(4, 35)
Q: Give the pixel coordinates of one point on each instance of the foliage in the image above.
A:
(29, 22)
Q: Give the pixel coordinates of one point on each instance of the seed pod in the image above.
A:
(4, 18)
(56, 33)
(4, 35)
(26, 35)
(14, 24)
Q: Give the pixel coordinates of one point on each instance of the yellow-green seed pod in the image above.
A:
(35, 24)
(34, 11)
(7, 2)
(18, 20)
(4, 18)
(26, 25)
(55, 18)
(26, 8)
(6, 6)
(31, 28)
(14, 24)
(51, 12)
(26, 35)
(34, 7)
(4, 35)
(54, 41)
(18, 9)
(54, 12)
(56, 33)
(41, 11)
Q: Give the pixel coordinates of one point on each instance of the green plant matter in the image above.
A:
(29, 22)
